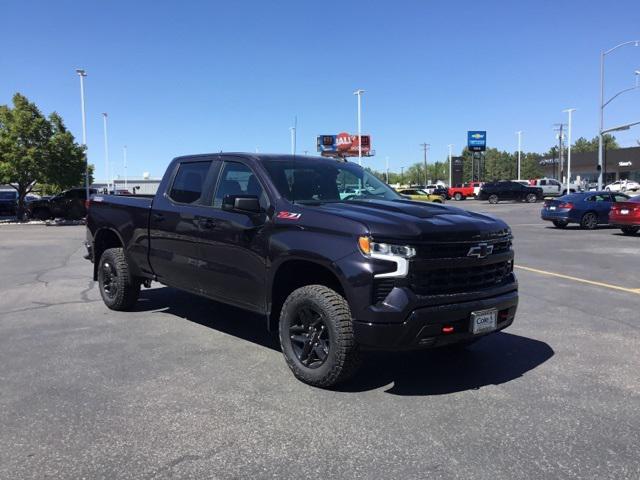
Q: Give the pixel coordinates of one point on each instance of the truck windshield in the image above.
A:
(321, 180)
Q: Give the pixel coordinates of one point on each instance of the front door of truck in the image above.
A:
(176, 223)
(234, 245)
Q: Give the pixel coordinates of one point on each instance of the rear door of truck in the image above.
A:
(177, 220)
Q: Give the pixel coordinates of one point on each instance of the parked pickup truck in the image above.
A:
(552, 187)
(335, 275)
(461, 192)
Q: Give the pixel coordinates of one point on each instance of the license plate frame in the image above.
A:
(484, 321)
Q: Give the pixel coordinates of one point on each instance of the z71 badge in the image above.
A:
(289, 215)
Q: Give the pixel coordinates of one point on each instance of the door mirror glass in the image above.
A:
(243, 203)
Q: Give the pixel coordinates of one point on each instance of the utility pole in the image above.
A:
(124, 155)
(569, 111)
(401, 176)
(387, 168)
(450, 154)
(359, 93)
(560, 129)
(81, 73)
(519, 133)
(425, 149)
(106, 151)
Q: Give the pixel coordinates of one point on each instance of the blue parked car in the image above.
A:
(588, 209)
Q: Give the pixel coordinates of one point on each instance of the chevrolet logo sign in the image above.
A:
(477, 136)
(482, 250)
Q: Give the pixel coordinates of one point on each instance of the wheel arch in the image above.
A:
(294, 273)
(104, 239)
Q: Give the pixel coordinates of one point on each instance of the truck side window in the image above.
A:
(238, 179)
(188, 183)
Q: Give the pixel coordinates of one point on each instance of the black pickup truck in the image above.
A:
(334, 272)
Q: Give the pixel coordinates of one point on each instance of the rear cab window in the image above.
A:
(188, 183)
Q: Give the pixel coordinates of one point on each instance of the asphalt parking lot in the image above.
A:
(187, 388)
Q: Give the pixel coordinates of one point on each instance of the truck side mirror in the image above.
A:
(243, 203)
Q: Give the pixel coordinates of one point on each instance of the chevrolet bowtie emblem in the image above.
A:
(481, 250)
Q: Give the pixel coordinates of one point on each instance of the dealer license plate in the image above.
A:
(552, 208)
(484, 321)
(624, 211)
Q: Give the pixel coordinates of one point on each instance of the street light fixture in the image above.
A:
(359, 93)
(81, 73)
(603, 54)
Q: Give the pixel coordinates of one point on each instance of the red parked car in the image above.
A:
(626, 215)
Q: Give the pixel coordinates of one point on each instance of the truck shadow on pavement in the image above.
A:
(494, 360)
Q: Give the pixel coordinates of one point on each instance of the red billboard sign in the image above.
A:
(343, 144)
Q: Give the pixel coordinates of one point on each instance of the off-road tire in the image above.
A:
(118, 288)
(560, 224)
(589, 221)
(343, 357)
(493, 199)
(630, 230)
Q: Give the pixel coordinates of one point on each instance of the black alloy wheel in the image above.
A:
(310, 337)
(493, 199)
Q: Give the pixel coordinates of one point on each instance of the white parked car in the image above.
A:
(623, 186)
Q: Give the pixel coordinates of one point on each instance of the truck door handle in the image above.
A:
(158, 217)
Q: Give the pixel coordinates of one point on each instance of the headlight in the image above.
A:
(369, 247)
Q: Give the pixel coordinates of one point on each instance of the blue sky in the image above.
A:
(191, 77)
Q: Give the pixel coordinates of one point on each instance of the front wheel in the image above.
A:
(630, 230)
(316, 335)
(458, 196)
(493, 199)
(119, 290)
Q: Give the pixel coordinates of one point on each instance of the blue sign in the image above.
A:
(477, 140)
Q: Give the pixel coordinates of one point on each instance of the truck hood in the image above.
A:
(416, 221)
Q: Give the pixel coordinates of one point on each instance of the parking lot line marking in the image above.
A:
(581, 280)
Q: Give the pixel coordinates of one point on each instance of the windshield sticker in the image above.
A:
(289, 215)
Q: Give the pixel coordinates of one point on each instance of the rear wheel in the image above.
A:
(458, 196)
(589, 221)
(531, 198)
(493, 198)
(316, 335)
(630, 230)
(119, 290)
(560, 224)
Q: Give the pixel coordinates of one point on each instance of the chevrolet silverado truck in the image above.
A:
(335, 275)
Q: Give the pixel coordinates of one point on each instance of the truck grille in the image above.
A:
(443, 281)
(458, 250)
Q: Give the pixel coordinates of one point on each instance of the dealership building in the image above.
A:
(619, 164)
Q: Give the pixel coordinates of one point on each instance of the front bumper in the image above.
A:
(423, 327)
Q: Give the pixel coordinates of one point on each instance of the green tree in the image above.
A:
(34, 149)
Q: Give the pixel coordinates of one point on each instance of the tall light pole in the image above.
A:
(387, 168)
(292, 131)
(359, 93)
(603, 54)
(450, 155)
(106, 150)
(401, 176)
(425, 149)
(570, 112)
(124, 159)
(81, 73)
(519, 133)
